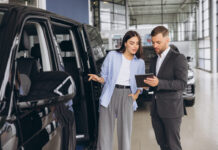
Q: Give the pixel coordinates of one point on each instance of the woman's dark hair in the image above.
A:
(126, 37)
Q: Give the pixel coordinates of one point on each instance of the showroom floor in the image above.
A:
(199, 130)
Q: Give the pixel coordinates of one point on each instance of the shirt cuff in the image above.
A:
(135, 106)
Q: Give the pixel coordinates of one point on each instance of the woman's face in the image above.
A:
(132, 45)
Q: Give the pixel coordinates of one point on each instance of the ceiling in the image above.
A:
(158, 11)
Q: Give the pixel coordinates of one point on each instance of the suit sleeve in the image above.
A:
(180, 76)
(152, 70)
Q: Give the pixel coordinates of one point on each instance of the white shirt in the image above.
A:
(124, 74)
(160, 59)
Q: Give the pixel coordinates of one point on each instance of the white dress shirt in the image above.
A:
(160, 59)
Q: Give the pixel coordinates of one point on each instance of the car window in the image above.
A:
(1, 16)
(148, 55)
(33, 46)
(68, 45)
(96, 42)
(33, 57)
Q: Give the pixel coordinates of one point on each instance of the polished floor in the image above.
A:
(199, 130)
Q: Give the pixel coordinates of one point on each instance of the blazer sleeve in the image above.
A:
(105, 67)
(142, 67)
(141, 71)
(180, 76)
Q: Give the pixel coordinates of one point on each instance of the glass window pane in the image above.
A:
(207, 53)
(201, 63)
(206, 32)
(206, 14)
(207, 65)
(23, 2)
(119, 9)
(121, 2)
(106, 17)
(113, 13)
(206, 42)
(118, 26)
(205, 4)
(119, 19)
(105, 26)
(206, 24)
(106, 7)
(201, 53)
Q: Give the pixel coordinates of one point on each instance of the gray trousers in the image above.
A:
(120, 107)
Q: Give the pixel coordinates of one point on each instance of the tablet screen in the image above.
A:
(140, 79)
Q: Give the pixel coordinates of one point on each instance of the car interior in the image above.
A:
(73, 65)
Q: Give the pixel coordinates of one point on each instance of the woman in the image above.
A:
(119, 94)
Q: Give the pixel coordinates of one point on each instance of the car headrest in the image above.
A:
(66, 46)
(25, 42)
(35, 51)
(25, 85)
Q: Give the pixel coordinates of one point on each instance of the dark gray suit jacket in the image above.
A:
(167, 101)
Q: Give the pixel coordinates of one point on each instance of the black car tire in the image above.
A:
(189, 103)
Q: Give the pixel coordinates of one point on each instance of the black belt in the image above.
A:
(122, 86)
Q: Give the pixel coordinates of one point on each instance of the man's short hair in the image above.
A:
(160, 29)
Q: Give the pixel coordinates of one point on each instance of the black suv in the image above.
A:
(188, 94)
(45, 59)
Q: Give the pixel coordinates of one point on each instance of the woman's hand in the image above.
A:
(145, 88)
(135, 96)
(96, 78)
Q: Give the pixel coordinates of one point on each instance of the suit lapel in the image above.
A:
(163, 65)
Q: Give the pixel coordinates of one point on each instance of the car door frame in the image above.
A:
(82, 139)
(50, 48)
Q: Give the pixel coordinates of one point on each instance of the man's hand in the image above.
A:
(152, 81)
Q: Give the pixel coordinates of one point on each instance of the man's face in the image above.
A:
(160, 43)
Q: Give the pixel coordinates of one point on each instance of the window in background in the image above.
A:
(204, 48)
(112, 15)
(33, 3)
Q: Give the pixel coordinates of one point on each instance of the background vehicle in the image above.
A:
(188, 94)
(47, 48)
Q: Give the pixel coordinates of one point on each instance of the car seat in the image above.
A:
(70, 61)
(27, 67)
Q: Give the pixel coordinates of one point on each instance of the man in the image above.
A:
(170, 70)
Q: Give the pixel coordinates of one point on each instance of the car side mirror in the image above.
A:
(48, 88)
(189, 59)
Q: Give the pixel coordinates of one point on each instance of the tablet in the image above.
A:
(140, 79)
